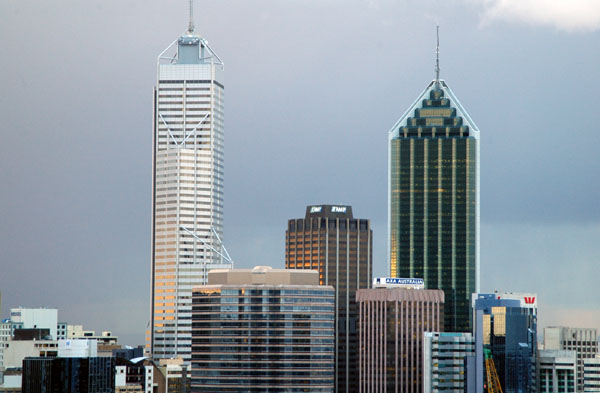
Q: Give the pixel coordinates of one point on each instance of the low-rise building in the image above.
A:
(584, 341)
(591, 375)
(557, 371)
(444, 361)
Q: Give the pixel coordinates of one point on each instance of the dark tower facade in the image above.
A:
(434, 200)
(329, 239)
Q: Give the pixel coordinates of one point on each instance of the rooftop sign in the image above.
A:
(394, 282)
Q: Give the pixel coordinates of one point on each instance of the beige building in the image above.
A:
(391, 327)
(584, 341)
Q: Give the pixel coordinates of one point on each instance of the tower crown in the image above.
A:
(437, 113)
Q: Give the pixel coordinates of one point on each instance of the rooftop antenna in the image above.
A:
(437, 58)
(191, 24)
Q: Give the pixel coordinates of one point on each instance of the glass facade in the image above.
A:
(263, 338)
(510, 334)
(434, 192)
(330, 240)
(69, 375)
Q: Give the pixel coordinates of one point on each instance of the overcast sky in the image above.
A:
(312, 88)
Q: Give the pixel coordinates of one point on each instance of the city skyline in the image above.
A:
(74, 214)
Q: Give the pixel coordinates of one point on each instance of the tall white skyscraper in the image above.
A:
(187, 191)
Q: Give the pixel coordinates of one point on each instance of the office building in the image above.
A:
(591, 374)
(584, 341)
(263, 330)
(69, 375)
(61, 331)
(176, 375)
(7, 329)
(392, 322)
(557, 371)
(433, 222)
(187, 187)
(36, 318)
(445, 361)
(77, 348)
(136, 375)
(340, 247)
(506, 332)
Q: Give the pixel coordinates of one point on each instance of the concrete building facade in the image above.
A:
(584, 341)
(444, 361)
(392, 323)
(591, 375)
(36, 318)
(557, 371)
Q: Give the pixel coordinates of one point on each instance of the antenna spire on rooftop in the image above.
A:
(191, 24)
(437, 58)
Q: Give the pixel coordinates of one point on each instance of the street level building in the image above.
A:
(433, 181)
(263, 330)
(507, 333)
(445, 361)
(392, 322)
(557, 371)
(584, 341)
(187, 187)
(340, 247)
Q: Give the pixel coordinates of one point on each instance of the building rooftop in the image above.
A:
(329, 211)
(263, 275)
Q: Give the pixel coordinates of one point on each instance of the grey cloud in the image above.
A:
(311, 91)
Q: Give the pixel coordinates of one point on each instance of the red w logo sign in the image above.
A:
(529, 299)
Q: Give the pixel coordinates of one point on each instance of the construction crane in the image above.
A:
(493, 382)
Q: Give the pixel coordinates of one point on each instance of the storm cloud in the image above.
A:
(311, 89)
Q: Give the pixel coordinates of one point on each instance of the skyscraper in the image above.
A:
(433, 223)
(187, 187)
(329, 239)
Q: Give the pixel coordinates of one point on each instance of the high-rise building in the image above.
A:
(263, 330)
(187, 187)
(392, 322)
(433, 223)
(329, 239)
(507, 333)
(445, 361)
(584, 341)
(557, 371)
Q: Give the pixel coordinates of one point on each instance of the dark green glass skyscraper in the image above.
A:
(434, 200)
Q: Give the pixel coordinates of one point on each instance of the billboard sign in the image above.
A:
(395, 282)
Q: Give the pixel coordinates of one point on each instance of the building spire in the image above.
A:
(437, 58)
(191, 24)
